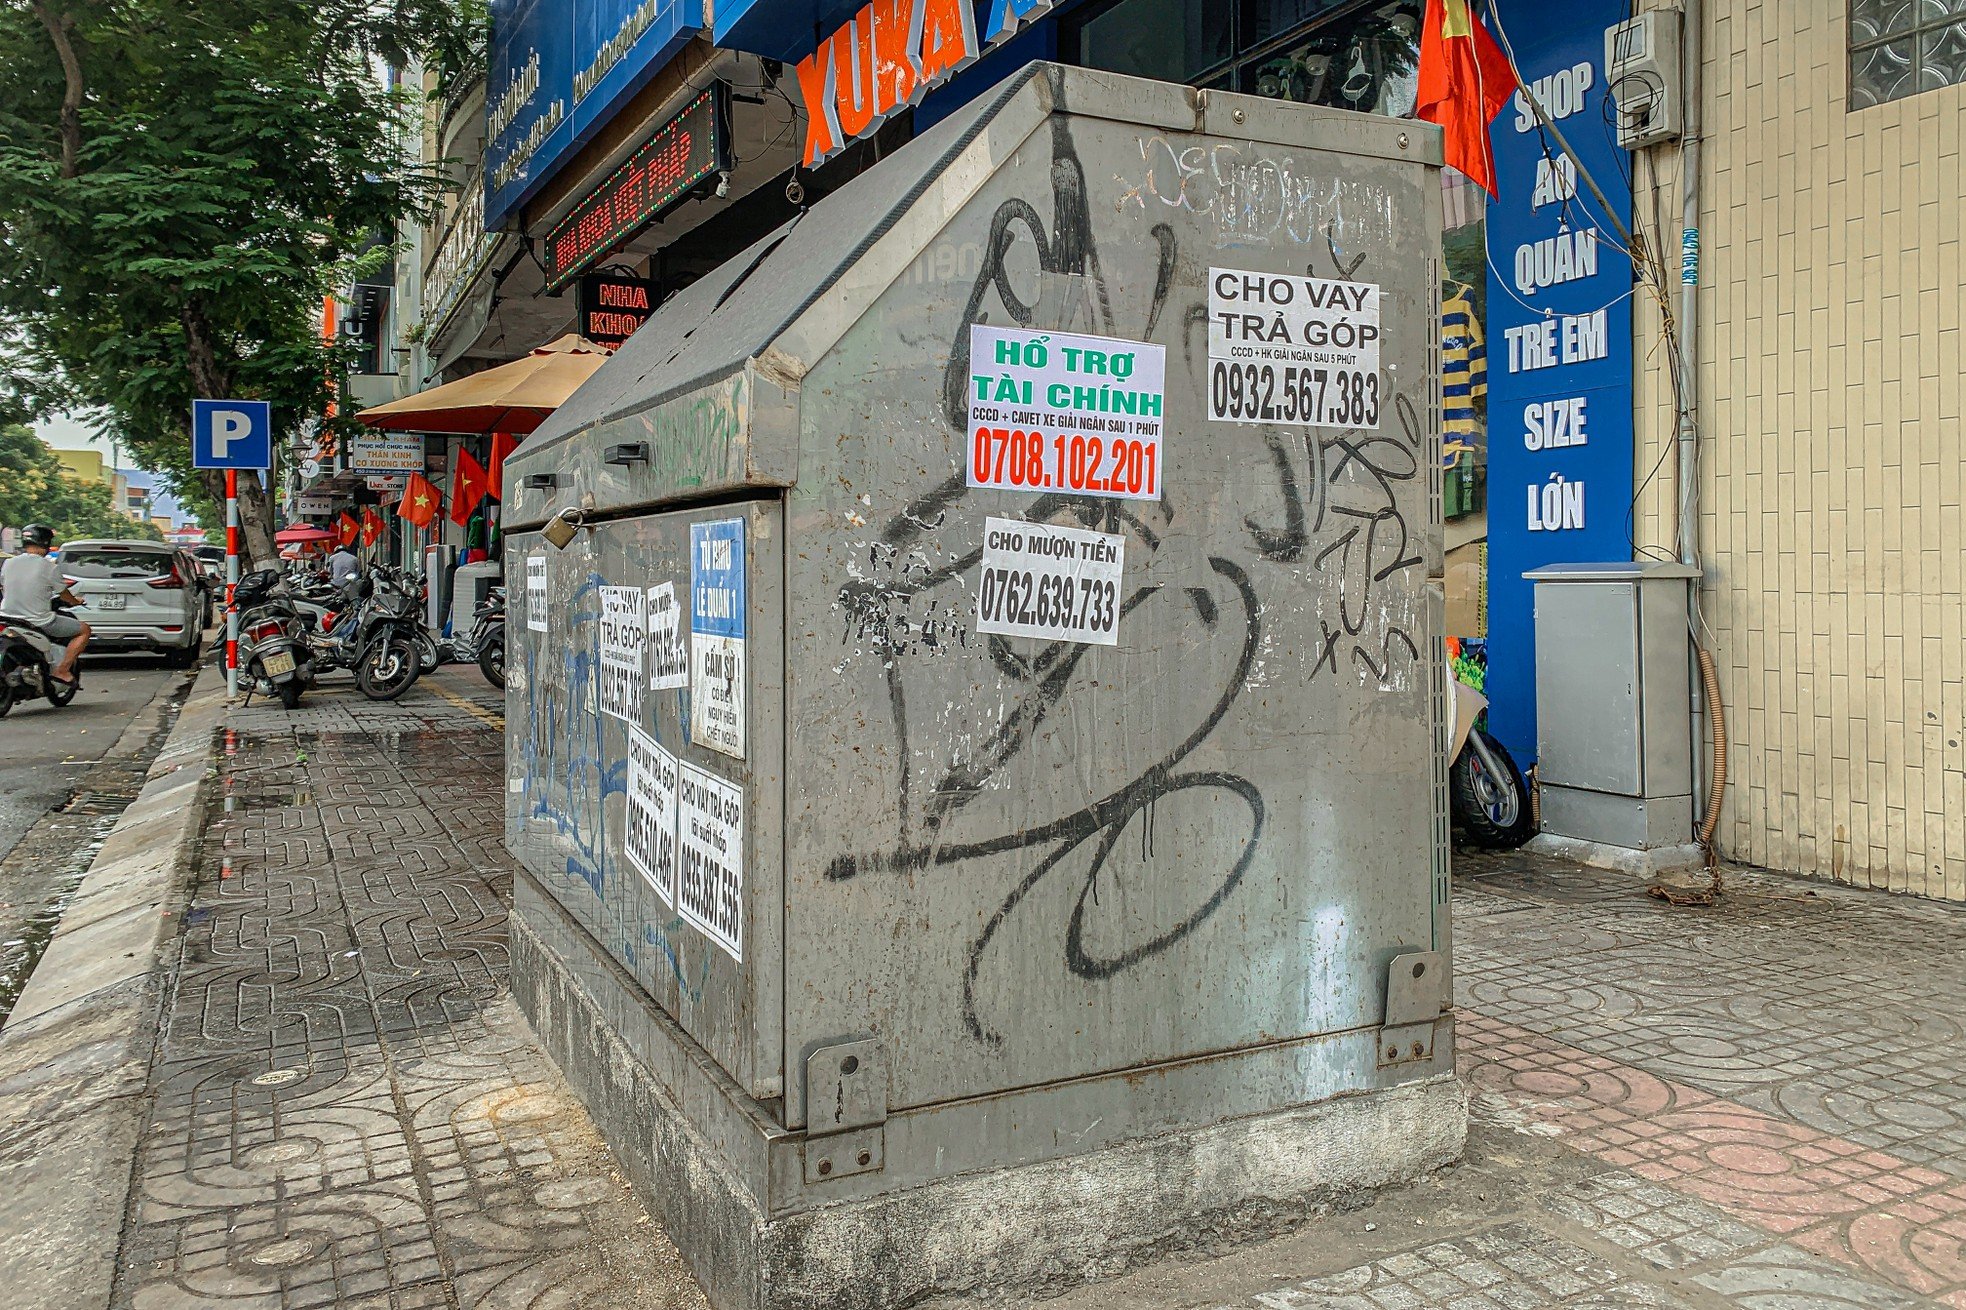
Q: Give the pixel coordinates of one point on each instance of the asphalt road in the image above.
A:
(43, 750)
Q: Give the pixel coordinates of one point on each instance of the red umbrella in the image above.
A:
(301, 535)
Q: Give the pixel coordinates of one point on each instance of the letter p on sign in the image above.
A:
(231, 434)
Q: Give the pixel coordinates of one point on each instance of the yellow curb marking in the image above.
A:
(470, 707)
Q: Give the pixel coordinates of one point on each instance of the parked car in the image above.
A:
(138, 595)
(211, 563)
(207, 589)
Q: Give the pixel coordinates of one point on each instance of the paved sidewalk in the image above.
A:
(348, 1109)
(1758, 1106)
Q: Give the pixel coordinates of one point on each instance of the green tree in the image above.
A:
(35, 488)
(187, 179)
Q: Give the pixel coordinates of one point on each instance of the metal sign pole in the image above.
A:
(232, 584)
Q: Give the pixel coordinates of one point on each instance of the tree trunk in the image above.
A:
(72, 92)
(209, 381)
(256, 546)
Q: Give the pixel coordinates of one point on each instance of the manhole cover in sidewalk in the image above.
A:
(280, 1152)
(293, 1249)
(279, 1077)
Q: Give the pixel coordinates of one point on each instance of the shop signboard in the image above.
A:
(462, 254)
(783, 29)
(386, 452)
(560, 69)
(612, 307)
(876, 62)
(682, 152)
(1559, 339)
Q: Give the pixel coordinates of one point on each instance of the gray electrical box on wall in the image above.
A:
(1613, 675)
(1641, 70)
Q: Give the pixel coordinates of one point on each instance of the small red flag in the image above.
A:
(468, 486)
(421, 501)
(346, 529)
(503, 444)
(1464, 81)
(372, 526)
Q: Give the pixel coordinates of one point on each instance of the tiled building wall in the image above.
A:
(1830, 482)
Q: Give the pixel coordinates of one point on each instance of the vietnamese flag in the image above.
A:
(346, 529)
(503, 444)
(468, 486)
(421, 501)
(1464, 81)
(372, 526)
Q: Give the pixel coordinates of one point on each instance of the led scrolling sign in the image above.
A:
(683, 152)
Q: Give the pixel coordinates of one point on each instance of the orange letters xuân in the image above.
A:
(872, 66)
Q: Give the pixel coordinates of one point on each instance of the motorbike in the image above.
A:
(1486, 792)
(488, 636)
(27, 657)
(371, 629)
(274, 654)
(390, 637)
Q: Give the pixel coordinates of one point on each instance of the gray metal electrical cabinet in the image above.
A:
(908, 801)
(1613, 727)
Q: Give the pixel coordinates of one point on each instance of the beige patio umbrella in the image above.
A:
(515, 397)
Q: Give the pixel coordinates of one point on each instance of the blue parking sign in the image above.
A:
(231, 434)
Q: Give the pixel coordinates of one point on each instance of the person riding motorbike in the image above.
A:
(30, 584)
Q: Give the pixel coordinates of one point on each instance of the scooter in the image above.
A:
(488, 636)
(274, 654)
(1486, 791)
(27, 660)
(371, 630)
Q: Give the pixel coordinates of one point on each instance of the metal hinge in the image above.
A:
(1414, 999)
(846, 1110)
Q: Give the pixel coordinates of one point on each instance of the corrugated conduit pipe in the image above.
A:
(1717, 787)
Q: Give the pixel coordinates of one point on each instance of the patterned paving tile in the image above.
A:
(1509, 1267)
(348, 1110)
(1789, 1062)
(1660, 1226)
(1842, 1010)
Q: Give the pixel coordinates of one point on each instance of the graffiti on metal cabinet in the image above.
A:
(1338, 514)
(691, 444)
(1254, 198)
(568, 776)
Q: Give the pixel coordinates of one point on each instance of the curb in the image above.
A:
(75, 1056)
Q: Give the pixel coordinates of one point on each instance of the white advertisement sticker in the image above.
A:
(651, 841)
(624, 631)
(710, 856)
(717, 606)
(668, 656)
(1053, 583)
(1057, 411)
(386, 452)
(1292, 350)
(536, 593)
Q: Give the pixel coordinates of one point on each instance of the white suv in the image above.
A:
(138, 595)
